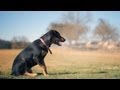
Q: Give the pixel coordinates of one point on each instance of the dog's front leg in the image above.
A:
(44, 68)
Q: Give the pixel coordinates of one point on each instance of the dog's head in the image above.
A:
(57, 38)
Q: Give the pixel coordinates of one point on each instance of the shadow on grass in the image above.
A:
(102, 72)
(59, 73)
(99, 72)
(64, 73)
(39, 74)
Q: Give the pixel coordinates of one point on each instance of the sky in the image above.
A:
(33, 24)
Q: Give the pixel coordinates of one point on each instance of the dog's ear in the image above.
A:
(52, 32)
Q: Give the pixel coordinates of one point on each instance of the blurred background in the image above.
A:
(82, 29)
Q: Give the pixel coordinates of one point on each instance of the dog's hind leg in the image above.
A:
(30, 74)
(18, 69)
(29, 71)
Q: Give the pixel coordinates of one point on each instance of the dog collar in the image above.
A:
(45, 45)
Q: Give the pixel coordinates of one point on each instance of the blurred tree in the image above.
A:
(71, 26)
(105, 31)
(5, 44)
(19, 42)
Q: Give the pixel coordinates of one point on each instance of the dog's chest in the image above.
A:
(44, 52)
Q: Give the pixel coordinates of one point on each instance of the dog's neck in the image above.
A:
(44, 43)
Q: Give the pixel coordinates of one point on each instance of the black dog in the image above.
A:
(34, 54)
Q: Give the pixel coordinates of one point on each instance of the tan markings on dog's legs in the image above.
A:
(30, 74)
(44, 69)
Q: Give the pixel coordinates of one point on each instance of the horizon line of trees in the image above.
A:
(16, 43)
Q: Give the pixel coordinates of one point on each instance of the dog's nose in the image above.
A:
(62, 39)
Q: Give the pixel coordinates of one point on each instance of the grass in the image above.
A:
(66, 63)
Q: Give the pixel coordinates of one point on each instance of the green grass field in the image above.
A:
(66, 63)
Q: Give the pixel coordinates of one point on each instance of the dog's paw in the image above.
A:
(34, 74)
(30, 74)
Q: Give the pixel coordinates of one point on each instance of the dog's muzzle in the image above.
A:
(62, 39)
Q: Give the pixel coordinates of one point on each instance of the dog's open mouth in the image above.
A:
(60, 42)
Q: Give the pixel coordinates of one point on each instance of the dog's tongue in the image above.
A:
(60, 43)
